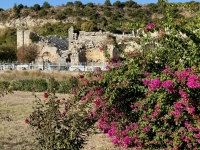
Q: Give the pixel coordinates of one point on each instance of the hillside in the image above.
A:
(118, 17)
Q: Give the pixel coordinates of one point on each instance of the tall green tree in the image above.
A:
(16, 11)
(36, 7)
(46, 5)
(107, 3)
(78, 4)
(69, 4)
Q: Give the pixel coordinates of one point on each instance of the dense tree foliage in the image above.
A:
(46, 5)
(115, 14)
(36, 7)
(7, 53)
(107, 3)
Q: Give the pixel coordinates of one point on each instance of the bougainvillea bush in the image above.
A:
(148, 99)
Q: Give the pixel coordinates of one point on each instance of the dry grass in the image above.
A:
(15, 134)
(32, 74)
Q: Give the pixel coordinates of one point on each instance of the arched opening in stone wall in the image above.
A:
(68, 59)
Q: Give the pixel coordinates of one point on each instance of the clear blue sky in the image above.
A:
(5, 4)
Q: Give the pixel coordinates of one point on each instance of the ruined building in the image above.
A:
(82, 47)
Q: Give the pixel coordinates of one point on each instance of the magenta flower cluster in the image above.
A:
(150, 26)
(168, 101)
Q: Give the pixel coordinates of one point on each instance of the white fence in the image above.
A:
(81, 66)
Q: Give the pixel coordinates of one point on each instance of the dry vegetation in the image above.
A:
(15, 134)
(33, 74)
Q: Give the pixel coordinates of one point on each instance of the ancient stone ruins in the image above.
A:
(82, 47)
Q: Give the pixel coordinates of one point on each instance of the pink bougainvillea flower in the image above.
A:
(187, 139)
(97, 102)
(46, 95)
(186, 123)
(199, 141)
(135, 126)
(147, 74)
(147, 82)
(83, 98)
(171, 90)
(155, 84)
(191, 109)
(107, 68)
(167, 84)
(26, 121)
(113, 59)
(58, 101)
(150, 26)
(75, 92)
(67, 101)
(64, 112)
(146, 129)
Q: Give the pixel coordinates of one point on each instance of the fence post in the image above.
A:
(92, 66)
(59, 66)
(4, 67)
(13, 66)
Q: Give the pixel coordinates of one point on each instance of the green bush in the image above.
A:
(60, 16)
(34, 37)
(40, 85)
(58, 124)
(42, 13)
(52, 84)
(4, 84)
(23, 85)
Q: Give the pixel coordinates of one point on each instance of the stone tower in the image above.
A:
(23, 37)
(72, 37)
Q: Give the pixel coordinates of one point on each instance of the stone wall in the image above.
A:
(94, 55)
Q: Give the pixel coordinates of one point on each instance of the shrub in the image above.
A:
(4, 84)
(27, 53)
(60, 16)
(42, 13)
(23, 85)
(52, 84)
(58, 124)
(69, 85)
(142, 102)
(34, 37)
(40, 85)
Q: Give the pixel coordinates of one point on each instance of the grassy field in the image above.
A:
(15, 134)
